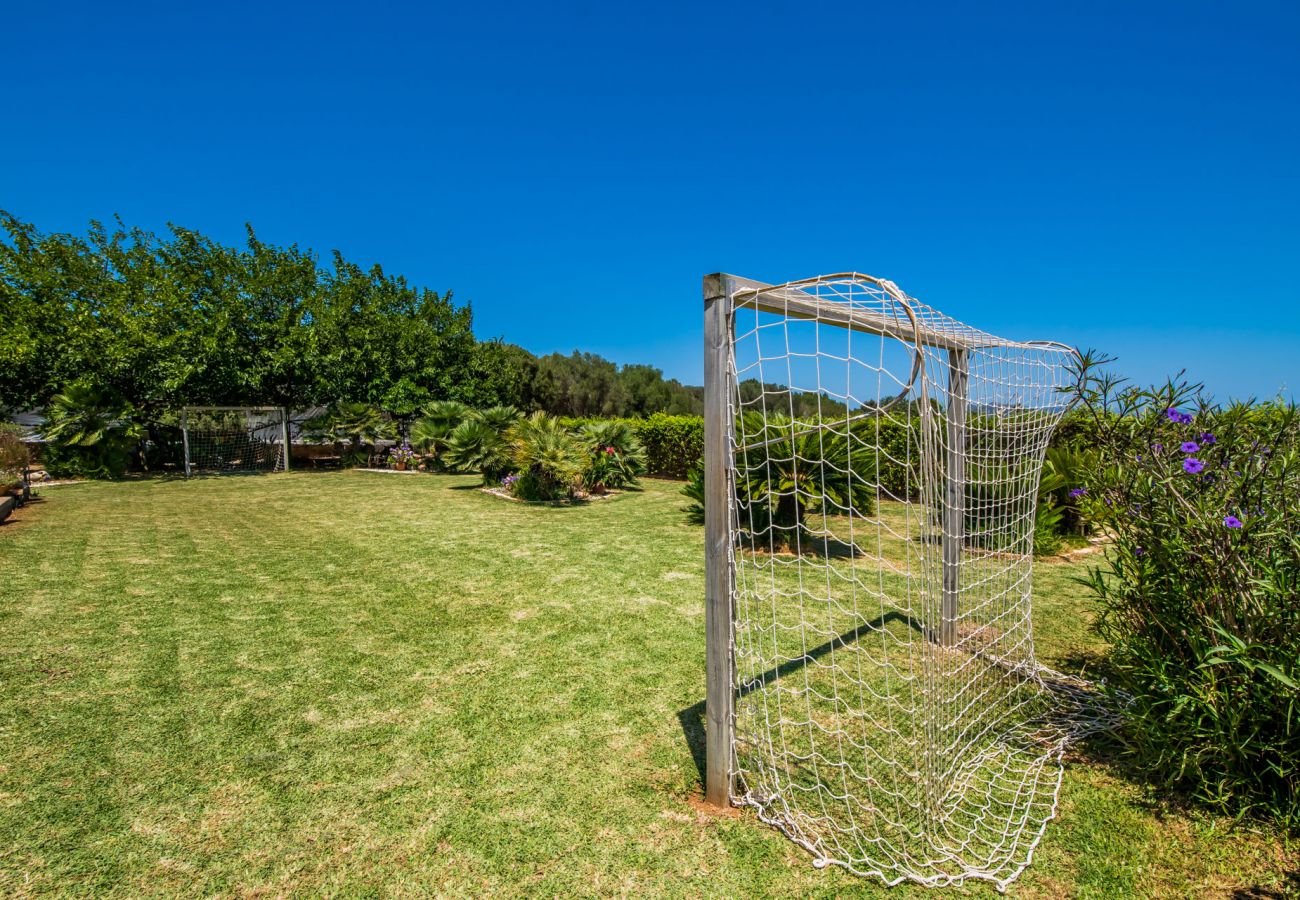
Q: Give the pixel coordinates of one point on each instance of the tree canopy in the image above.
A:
(162, 321)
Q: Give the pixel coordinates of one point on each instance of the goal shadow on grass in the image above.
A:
(692, 717)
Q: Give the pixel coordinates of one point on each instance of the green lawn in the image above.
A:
(362, 684)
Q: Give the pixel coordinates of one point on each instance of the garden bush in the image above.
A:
(431, 433)
(91, 433)
(885, 451)
(548, 458)
(614, 455)
(1200, 588)
(694, 492)
(498, 418)
(673, 444)
(787, 474)
(354, 427)
(475, 446)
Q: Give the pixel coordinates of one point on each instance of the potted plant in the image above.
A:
(400, 457)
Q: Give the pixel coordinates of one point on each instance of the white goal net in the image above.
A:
(220, 439)
(876, 467)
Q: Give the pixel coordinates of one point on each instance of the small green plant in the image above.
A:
(1047, 528)
(1066, 472)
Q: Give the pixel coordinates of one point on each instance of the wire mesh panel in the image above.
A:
(220, 439)
(882, 468)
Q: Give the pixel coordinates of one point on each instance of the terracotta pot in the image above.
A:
(401, 467)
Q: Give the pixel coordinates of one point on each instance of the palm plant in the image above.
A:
(614, 455)
(354, 424)
(474, 446)
(694, 491)
(431, 432)
(1066, 472)
(549, 459)
(94, 429)
(789, 469)
(498, 418)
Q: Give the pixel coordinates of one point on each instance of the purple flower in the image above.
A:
(1157, 447)
(1192, 465)
(1078, 492)
(1207, 438)
(1173, 414)
(1231, 522)
(1189, 447)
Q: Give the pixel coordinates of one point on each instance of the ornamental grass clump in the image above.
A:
(1200, 588)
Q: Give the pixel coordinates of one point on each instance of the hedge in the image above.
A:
(675, 444)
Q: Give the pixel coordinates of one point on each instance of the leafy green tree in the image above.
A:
(176, 318)
(503, 374)
(582, 385)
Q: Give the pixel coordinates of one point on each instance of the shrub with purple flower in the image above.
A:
(401, 455)
(1198, 589)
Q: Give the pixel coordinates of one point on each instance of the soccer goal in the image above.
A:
(218, 439)
(871, 474)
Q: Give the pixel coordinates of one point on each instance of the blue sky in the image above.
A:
(1120, 175)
